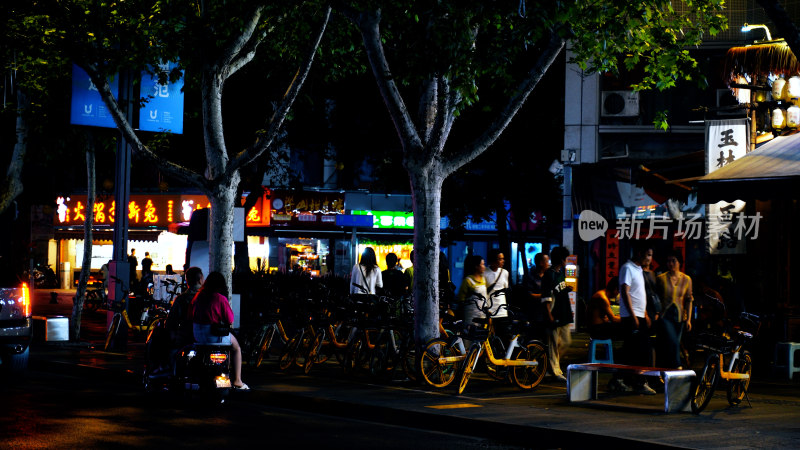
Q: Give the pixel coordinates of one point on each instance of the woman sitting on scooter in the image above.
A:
(210, 306)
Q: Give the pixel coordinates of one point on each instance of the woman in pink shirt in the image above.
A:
(210, 306)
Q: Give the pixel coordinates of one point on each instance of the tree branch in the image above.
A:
(444, 116)
(368, 24)
(474, 149)
(265, 140)
(242, 50)
(126, 129)
(11, 188)
(426, 114)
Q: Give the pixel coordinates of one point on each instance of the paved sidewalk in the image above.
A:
(539, 418)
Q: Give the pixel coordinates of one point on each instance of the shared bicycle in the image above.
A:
(736, 372)
(151, 312)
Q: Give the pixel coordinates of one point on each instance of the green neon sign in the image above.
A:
(388, 219)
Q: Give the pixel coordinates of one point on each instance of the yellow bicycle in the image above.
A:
(739, 367)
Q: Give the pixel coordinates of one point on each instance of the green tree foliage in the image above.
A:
(212, 42)
(431, 60)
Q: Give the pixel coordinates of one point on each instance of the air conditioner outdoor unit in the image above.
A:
(619, 104)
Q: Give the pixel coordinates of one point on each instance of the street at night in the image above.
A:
(399, 224)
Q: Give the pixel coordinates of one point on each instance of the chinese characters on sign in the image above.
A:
(304, 208)
(726, 141)
(87, 107)
(164, 108)
(145, 210)
(612, 255)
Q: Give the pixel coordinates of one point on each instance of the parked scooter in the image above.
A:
(201, 368)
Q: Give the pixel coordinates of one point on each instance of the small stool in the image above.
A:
(609, 351)
(784, 358)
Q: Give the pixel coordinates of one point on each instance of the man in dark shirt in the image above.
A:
(147, 273)
(532, 283)
(555, 298)
(133, 262)
(394, 281)
(179, 323)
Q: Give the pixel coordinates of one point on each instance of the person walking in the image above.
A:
(675, 290)
(555, 298)
(633, 314)
(497, 279)
(366, 277)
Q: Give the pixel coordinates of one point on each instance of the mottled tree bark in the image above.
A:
(86, 264)
(12, 187)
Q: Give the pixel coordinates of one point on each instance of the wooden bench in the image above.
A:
(582, 382)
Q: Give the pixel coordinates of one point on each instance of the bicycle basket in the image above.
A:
(476, 333)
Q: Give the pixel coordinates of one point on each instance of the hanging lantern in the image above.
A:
(793, 116)
(778, 89)
(778, 118)
(794, 87)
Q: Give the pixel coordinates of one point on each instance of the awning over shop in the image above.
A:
(770, 171)
(666, 178)
(760, 60)
(108, 235)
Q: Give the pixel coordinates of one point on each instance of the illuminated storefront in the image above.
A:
(313, 232)
(154, 224)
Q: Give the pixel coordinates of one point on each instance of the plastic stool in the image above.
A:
(784, 358)
(609, 347)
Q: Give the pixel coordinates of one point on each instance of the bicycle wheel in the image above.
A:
(323, 347)
(112, 331)
(385, 357)
(266, 343)
(498, 373)
(433, 372)
(352, 355)
(303, 349)
(379, 359)
(408, 357)
(528, 377)
(289, 353)
(706, 384)
(737, 388)
(313, 352)
(466, 369)
(342, 334)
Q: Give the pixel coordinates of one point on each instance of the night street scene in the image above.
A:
(400, 224)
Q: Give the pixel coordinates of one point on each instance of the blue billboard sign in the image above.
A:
(349, 220)
(164, 108)
(87, 107)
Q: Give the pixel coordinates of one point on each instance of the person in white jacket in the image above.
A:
(366, 275)
(496, 279)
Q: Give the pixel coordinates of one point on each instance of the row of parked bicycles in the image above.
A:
(375, 335)
(308, 324)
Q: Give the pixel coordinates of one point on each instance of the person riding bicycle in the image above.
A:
(179, 323)
(210, 307)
